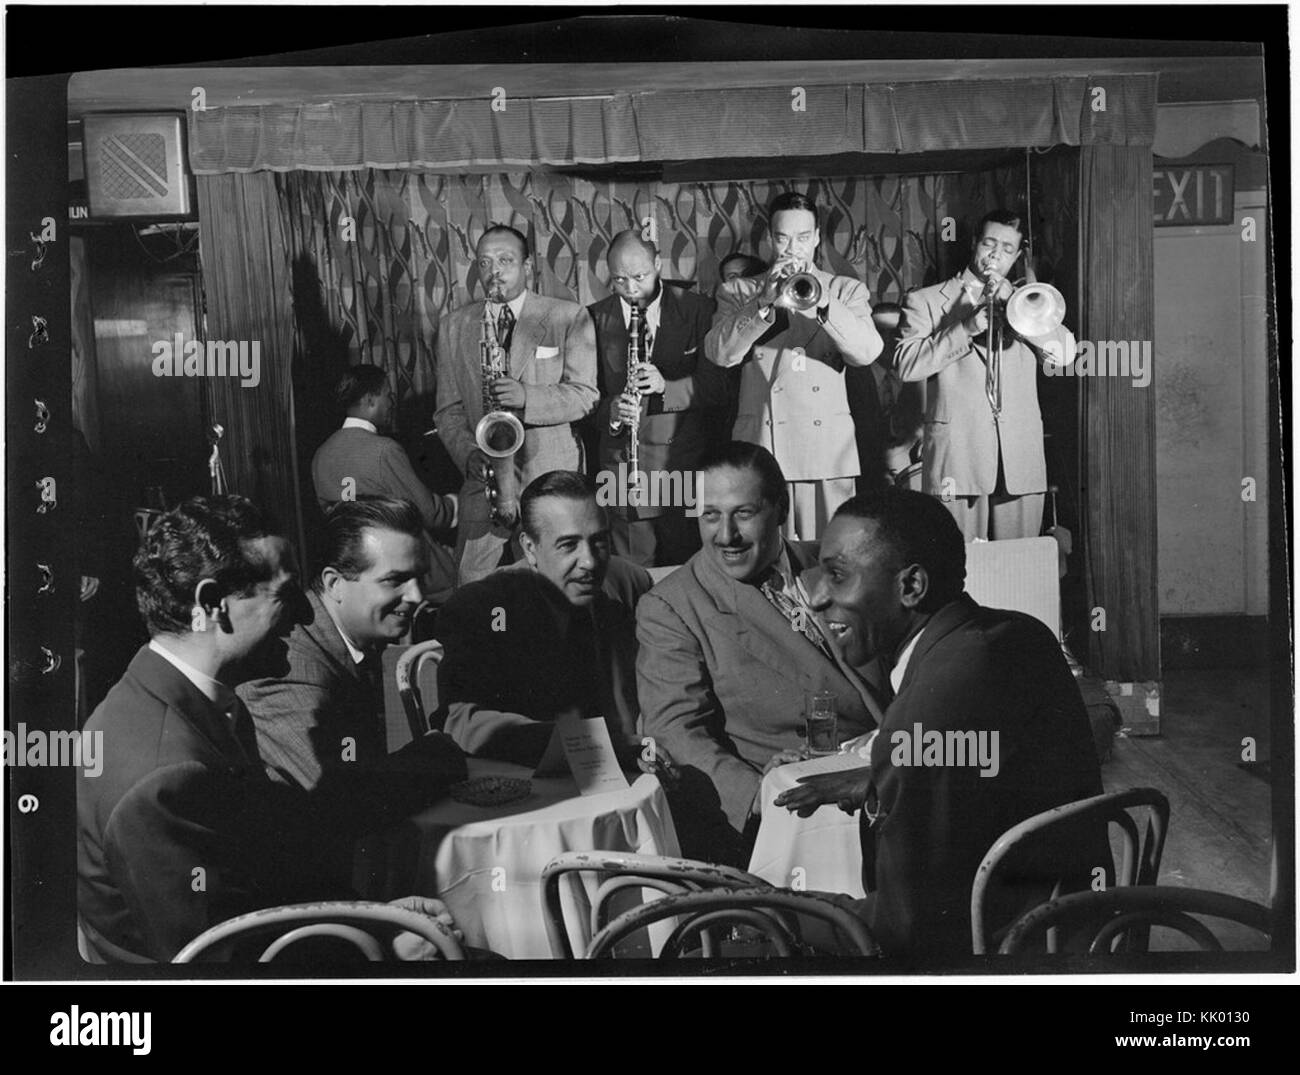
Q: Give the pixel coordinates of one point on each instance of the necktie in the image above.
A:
(505, 328)
(801, 619)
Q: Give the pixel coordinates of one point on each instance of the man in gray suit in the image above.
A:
(358, 460)
(551, 349)
(728, 649)
(320, 726)
(983, 447)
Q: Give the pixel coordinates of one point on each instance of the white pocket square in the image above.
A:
(547, 352)
(690, 351)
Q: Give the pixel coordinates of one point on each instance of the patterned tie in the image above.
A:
(505, 328)
(801, 619)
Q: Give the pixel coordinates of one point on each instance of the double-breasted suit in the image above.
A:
(792, 396)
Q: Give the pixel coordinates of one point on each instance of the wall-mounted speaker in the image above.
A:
(135, 165)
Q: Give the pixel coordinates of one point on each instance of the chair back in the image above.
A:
(1111, 918)
(1020, 574)
(415, 675)
(778, 914)
(621, 872)
(1140, 864)
(359, 923)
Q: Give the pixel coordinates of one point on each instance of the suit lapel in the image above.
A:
(327, 639)
(530, 330)
(952, 616)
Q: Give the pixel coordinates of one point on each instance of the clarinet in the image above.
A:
(631, 393)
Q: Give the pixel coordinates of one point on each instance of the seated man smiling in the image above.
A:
(986, 728)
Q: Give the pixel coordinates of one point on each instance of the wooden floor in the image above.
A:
(1220, 821)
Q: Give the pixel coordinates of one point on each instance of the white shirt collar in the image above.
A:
(359, 423)
(516, 306)
(213, 690)
(900, 666)
(357, 655)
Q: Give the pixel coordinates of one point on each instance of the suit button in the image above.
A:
(797, 351)
(816, 388)
(817, 421)
(768, 422)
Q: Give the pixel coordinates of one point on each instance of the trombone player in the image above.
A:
(983, 442)
(526, 361)
(792, 331)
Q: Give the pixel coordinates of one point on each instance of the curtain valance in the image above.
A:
(692, 124)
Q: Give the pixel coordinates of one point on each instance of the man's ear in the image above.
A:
(914, 585)
(528, 273)
(529, 546)
(330, 580)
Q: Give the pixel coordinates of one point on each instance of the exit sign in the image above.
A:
(1193, 194)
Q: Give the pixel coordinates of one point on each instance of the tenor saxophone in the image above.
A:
(499, 433)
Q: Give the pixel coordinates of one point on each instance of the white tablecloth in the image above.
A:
(485, 863)
(821, 853)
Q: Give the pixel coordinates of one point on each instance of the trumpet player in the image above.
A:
(659, 398)
(983, 440)
(548, 383)
(792, 331)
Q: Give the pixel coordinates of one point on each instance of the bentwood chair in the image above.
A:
(1109, 918)
(621, 873)
(417, 683)
(363, 925)
(780, 916)
(1140, 864)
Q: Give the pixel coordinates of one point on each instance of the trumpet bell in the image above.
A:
(499, 434)
(802, 291)
(1036, 310)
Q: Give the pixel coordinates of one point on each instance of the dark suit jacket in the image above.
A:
(983, 670)
(517, 654)
(182, 792)
(722, 678)
(962, 440)
(677, 425)
(320, 728)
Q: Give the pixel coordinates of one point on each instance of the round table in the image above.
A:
(821, 853)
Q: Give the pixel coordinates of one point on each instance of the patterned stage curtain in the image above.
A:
(379, 256)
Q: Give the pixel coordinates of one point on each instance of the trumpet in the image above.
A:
(800, 291)
(499, 433)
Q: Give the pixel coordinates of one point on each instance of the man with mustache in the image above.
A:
(551, 352)
(892, 591)
(728, 651)
(983, 441)
(320, 725)
(552, 634)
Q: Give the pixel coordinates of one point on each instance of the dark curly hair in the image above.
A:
(206, 537)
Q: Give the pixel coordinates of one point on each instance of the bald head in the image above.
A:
(634, 268)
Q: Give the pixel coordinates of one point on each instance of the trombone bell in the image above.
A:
(1035, 310)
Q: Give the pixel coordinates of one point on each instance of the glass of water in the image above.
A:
(822, 724)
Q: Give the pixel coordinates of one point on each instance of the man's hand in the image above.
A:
(776, 275)
(507, 392)
(476, 466)
(411, 947)
(627, 410)
(978, 322)
(847, 790)
(648, 380)
(786, 757)
(89, 586)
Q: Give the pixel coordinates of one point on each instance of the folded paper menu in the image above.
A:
(586, 750)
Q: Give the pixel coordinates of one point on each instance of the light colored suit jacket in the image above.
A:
(721, 678)
(553, 353)
(962, 440)
(675, 426)
(792, 397)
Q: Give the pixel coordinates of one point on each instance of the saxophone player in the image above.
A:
(658, 396)
(548, 383)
